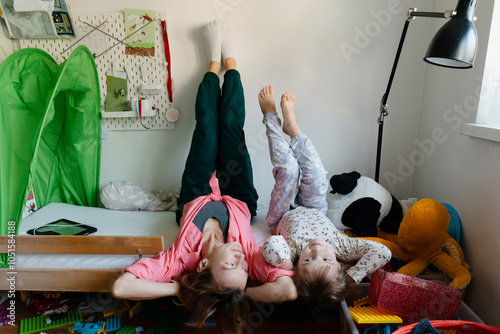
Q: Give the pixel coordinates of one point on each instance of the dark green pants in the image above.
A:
(218, 144)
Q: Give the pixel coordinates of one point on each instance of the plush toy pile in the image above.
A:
(423, 240)
(416, 232)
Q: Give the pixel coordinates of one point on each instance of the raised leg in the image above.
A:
(233, 164)
(201, 160)
(285, 167)
(313, 182)
(235, 169)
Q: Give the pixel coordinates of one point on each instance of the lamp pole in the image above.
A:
(465, 10)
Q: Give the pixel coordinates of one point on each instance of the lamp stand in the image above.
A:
(410, 15)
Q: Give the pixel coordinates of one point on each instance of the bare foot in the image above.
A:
(290, 126)
(266, 100)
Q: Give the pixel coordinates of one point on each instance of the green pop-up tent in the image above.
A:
(50, 132)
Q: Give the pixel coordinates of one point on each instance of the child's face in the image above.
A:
(317, 255)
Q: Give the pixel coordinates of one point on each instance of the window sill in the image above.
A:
(483, 131)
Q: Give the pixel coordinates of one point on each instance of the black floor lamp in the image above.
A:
(453, 46)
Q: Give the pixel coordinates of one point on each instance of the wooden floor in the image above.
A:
(264, 318)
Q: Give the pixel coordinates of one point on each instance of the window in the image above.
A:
(487, 124)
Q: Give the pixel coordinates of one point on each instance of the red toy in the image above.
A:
(414, 298)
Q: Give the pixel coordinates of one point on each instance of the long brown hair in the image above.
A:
(201, 294)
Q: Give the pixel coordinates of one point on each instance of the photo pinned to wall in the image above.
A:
(140, 29)
(116, 97)
(37, 24)
(62, 23)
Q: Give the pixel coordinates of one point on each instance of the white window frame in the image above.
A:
(487, 125)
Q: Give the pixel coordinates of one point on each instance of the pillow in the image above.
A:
(126, 196)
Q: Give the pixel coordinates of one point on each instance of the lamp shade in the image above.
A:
(455, 44)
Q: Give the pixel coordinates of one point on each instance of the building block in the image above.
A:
(371, 315)
(24, 295)
(123, 306)
(127, 330)
(38, 324)
(89, 328)
(135, 310)
(107, 314)
(113, 324)
(382, 329)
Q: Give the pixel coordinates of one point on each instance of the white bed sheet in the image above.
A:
(109, 222)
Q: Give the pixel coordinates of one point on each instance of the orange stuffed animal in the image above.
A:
(422, 236)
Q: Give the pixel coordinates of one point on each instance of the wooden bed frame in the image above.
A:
(84, 280)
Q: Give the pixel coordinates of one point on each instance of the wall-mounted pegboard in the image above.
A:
(154, 68)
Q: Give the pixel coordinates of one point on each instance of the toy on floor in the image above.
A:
(44, 305)
(361, 204)
(4, 318)
(39, 323)
(113, 324)
(420, 242)
(381, 329)
(448, 326)
(363, 313)
(135, 310)
(89, 328)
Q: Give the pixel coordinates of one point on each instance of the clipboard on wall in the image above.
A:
(37, 24)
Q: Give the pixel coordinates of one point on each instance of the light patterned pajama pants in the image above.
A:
(299, 175)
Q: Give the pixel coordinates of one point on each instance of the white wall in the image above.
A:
(5, 43)
(463, 171)
(335, 56)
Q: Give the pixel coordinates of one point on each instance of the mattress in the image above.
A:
(109, 223)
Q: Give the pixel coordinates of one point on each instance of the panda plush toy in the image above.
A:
(361, 204)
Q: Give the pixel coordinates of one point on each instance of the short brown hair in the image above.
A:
(316, 290)
(201, 294)
(319, 292)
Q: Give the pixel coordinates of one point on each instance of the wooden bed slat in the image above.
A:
(80, 280)
(78, 244)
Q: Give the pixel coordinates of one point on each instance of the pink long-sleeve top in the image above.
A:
(184, 254)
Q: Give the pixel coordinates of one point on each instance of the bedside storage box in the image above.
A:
(413, 298)
(359, 291)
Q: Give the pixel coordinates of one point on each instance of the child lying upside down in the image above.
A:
(308, 240)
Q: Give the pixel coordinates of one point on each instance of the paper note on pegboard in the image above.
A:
(141, 31)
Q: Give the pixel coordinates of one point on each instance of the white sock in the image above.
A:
(227, 48)
(213, 40)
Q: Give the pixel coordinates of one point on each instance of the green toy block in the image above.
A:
(129, 329)
(38, 324)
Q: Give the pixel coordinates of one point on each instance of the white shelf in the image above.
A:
(118, 114)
